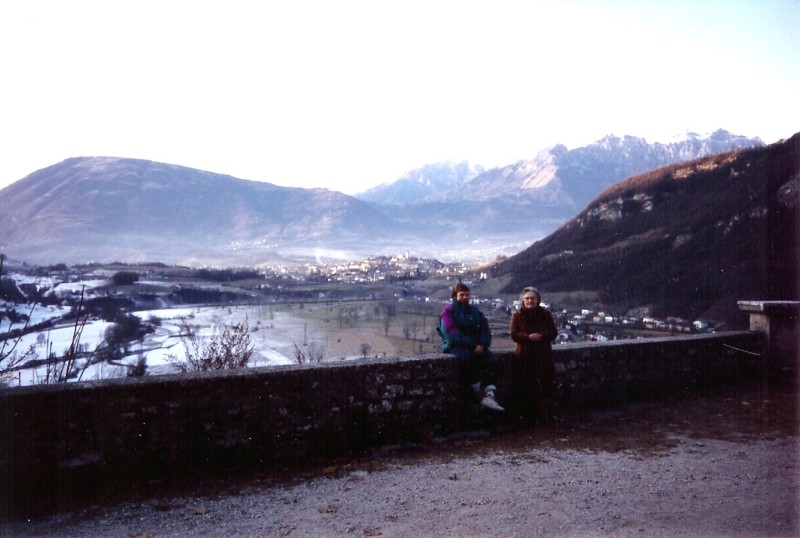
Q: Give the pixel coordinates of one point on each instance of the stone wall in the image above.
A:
(71, 441)
(779, 322)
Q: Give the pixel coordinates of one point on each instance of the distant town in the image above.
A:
(417, 277)
(371, 269)
(580, 325)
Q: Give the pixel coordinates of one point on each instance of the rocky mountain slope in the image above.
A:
(692, 238)
(489, 209)
(556, 175)
(422, 183)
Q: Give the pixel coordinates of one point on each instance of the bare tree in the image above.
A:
(57, 369)
(12, 359)
(10, 356)
(386, 322)
(317, 351)
(69, 365)
(228, 347)
(365, 348)
(140, 368)
(311, 353)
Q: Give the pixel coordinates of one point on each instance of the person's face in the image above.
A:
(530, 300)
(462, 297)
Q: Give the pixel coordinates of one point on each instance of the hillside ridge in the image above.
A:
(691, 237)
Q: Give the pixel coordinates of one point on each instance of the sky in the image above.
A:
(349, 94)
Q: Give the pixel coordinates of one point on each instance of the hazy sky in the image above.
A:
(350, 94)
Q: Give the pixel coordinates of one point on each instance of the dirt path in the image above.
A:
(721, 464)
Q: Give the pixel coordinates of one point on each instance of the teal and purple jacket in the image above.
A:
(463, 328)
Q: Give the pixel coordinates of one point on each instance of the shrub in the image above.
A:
(228, 347)
(125, 278)
(313, 353)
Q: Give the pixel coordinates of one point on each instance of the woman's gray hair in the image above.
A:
(531, 289)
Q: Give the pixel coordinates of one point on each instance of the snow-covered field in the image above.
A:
(165, 342)
(274, 332)
(277, 332)
(157, 346)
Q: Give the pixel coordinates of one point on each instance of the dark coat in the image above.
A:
(533, 320)
(534, 378)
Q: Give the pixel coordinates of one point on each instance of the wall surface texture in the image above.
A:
(67, 441)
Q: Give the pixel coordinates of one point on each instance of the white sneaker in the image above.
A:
(490, 403)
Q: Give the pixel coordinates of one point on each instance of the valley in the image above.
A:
(86, 323)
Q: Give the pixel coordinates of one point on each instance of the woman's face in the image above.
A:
(462, 297)
(530, 300)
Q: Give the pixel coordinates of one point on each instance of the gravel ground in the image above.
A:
(717, 464)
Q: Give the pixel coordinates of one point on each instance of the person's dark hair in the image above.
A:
(459, 287)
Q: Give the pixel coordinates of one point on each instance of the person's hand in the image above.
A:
(535, 337)
(479, 349)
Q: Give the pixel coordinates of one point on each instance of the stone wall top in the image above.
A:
(770, 307)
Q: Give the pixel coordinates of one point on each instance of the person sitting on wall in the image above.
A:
(465, 334)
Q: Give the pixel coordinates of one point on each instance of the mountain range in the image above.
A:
(689, 239)
(503, 210)
(117, 209)
(555, 175)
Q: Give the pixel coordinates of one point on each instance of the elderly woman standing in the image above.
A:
(533, 330)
